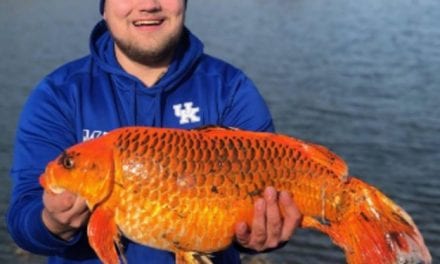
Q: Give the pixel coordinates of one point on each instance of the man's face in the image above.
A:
(146, 31)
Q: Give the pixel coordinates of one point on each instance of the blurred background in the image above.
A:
(361, 77)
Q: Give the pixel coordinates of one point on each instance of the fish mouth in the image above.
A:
(56, 189)
(47, 186)
(43, 181)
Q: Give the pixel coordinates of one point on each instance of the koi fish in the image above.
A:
(184, 191)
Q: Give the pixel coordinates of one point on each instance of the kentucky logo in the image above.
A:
(88, 134)
(187, 113)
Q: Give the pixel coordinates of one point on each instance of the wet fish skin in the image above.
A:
(183, 191)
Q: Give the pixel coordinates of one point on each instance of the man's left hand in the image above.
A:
(270, 228)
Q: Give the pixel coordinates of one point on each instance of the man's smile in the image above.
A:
(148, 22)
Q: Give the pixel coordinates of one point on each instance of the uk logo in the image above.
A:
(91, 134)
(187, 113)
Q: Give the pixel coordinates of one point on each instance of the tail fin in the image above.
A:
(376, 231)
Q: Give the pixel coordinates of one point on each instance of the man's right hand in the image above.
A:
(64, 214)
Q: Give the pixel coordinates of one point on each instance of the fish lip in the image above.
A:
(42, 181)
(56, 189)
(53, 189)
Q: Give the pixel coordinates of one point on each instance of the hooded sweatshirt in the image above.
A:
(86, 98)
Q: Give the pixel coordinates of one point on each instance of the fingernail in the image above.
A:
(271, 194)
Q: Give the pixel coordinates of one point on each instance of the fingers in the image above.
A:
(64, 213)
(65, 202)
(79, 213)
(274, 222)
(242, 233)
(79, 205)
(56, 203)
(292, 216)
(74, 212)
(79, 220)
(257, 237)
(259, 234)
(274, 219)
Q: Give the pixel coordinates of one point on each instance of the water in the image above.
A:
(360, 77)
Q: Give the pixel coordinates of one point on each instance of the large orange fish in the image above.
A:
(184, 191)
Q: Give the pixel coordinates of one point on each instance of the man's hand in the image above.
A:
(270, 227)
(64, 213)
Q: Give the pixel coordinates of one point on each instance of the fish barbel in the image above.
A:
(184, 191)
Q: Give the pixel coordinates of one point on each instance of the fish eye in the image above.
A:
(68, 162)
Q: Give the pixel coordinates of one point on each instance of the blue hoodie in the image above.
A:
(93, 95)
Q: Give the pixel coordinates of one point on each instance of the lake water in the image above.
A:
(361, 77)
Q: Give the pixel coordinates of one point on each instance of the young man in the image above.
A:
(146, 69)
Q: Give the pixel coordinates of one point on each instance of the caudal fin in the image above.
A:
(376, 231)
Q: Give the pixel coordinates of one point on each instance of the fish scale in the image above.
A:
(251, 153)
(177, 170)
(192, 182)
(184, 191)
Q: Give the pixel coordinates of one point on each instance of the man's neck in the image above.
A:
(148, 74)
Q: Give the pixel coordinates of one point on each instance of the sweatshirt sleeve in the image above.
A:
(246, 108)
(45, 128)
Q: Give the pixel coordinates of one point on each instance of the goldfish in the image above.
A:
(184, 190)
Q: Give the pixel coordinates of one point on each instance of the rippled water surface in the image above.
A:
(361, 77)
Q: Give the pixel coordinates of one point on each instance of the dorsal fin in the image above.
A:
(319, 154)
(329, 159)
(214, 128)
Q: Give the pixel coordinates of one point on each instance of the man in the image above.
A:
(145, 68)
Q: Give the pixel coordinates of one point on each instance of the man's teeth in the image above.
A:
(147, 23)
(57, 190)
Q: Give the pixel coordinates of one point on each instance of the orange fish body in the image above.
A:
(184, 191)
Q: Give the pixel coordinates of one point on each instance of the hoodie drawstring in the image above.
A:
(158, 111)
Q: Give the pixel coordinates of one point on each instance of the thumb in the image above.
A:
(58, 203)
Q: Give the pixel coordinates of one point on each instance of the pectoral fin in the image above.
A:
(103, 235)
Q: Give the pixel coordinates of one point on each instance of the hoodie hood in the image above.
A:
(135, 95)
(188, 52)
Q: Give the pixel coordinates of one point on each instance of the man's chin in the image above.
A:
(152, 54)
